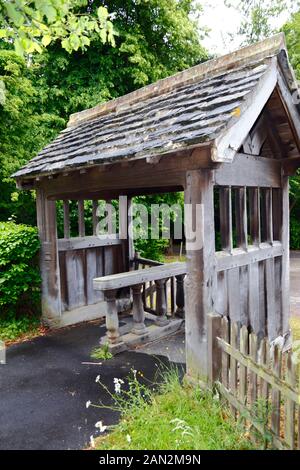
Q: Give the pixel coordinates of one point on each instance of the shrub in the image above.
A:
(19, 273)
(295, 233)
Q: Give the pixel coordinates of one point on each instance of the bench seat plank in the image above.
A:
(131, 278)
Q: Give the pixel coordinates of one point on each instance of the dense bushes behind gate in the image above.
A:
(19, 272)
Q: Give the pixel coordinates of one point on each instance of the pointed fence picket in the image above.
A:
(259, 380)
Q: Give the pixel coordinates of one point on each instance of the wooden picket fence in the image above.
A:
(259, 380)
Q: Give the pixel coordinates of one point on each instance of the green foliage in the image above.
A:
(155, 39)
(170, 417)
(24, 130)
(32, 26)
(19, 274)
(145, 243)
(102, 353)
(13, 328)
(292, 34)
(258, 17)
(295, 233)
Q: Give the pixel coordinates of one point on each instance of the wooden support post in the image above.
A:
(241, 218)
(131, 250)
(214, 351)
(112, 319)
(254, 214)
(201, 263)
(123, 231)
(49, 263)
(226, 218)
(161, 303)
(180, 295)
(94, 216)
(285, 240)
(139, 327)
(81, 221)
(66, 219)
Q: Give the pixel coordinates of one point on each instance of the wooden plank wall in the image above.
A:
(249, 264)
(83, 258)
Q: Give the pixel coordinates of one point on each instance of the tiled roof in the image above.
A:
(197, 108)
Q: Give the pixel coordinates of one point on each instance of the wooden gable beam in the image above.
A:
(292, 111)
(228, 144)
(256, 137)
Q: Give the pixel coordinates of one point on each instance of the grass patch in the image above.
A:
(295, 326)
(13, 329)
(101, 352)
(172, 417)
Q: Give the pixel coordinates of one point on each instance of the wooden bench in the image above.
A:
(111, 285)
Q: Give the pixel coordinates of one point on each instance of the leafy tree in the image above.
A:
(292, 34)
(33, 25)
(156, 38)
(23, 131)
(258, 16)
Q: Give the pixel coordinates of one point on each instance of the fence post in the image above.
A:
(214, 356)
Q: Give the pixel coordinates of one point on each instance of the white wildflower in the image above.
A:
(92, 441)
(100, 426)
(118, 383)
(128, 438)
(88, 404)
(97, 379)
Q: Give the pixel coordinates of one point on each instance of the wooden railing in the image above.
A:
(174, 289)
(258, 379)
(157, 275)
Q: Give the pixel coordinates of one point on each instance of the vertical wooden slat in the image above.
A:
(221, 304)
(244, 337)
(254, 297)
(244, 295)
(93, 295)
(263, 360)
(225, 356)
(226, 218)
(233, 280)
(172, 295)
(268, 214)
(277, 213)
(81, 222)
(278, 296)
(290, 378)
(214, 350)
(262, 319)
(233, 362)
(263, 386)
(66, 208)
(270, 299)
(110, 220)
(252, 375)
(254, 215)
(94, 216)
(276, 366)
(241, 218)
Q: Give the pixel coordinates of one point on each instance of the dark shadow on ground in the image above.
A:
(44, 388)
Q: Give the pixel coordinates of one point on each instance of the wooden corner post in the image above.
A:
(49, 263)
(199, 222)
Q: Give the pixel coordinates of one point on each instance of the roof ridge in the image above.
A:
(270, 46)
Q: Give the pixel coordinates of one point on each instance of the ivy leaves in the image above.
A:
(33, 26)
